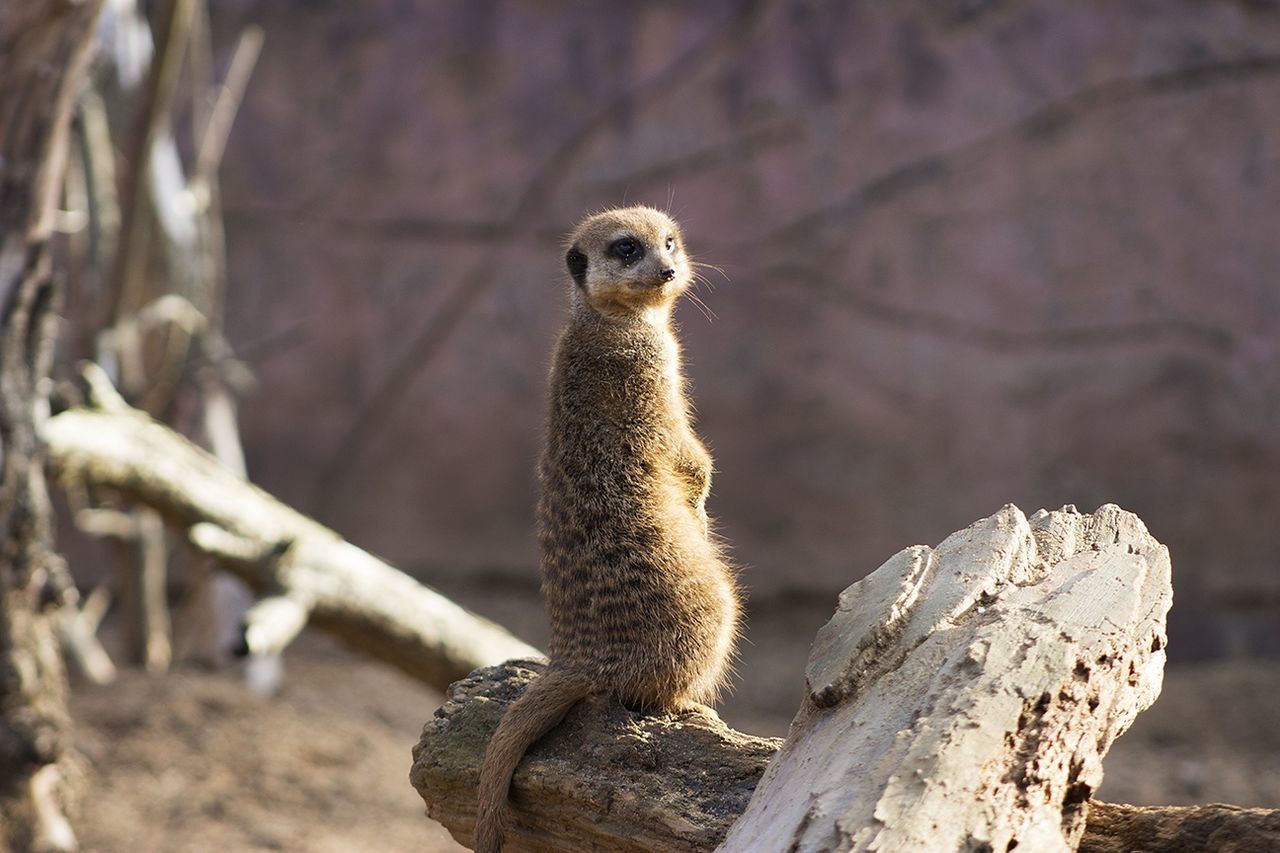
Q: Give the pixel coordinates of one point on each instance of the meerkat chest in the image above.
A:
(672, 378)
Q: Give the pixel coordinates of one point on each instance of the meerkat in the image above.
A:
(642, 602)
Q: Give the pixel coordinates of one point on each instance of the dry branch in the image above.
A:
(275, 549)
(962, 698)
(78, 627)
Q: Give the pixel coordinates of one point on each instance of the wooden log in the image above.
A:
(975, 686)
(606, 779)
(963, 697)
(622, 781)
(1115, 828)
(276, 549)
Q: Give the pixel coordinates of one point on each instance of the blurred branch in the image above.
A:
(79, 633)
(151, 114)
(276, 550)
(274, 622)
(157, 649)
(161, 283)
(230, 94)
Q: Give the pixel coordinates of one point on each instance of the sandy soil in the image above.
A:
(194, 762)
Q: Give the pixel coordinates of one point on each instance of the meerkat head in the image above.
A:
(628, 260)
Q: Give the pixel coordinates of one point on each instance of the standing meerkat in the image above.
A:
(642, 602)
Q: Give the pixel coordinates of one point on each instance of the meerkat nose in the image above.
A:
(668, 273)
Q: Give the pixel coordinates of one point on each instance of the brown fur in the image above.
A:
(643, 605)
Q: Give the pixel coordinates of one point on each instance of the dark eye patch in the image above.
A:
(576, 261)
(627, 249)
(671, 244)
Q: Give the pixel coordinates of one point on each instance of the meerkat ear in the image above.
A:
(577, 263)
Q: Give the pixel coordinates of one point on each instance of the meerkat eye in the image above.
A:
(626, 250)
(671, 244)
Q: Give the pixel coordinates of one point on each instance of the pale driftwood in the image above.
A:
(275, 549)
(962, 698)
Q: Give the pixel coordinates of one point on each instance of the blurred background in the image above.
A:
(975, 252)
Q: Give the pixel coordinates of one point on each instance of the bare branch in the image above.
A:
(107, 523)
(274, 623)
(157, 648)
(354, 595)
(78, 631)
(228, 547)
(224, 112)
(151, 114)
(102, 394)
(95, 606)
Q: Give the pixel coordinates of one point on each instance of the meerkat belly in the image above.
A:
(648, 627)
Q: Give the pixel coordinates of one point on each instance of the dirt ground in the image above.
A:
(193, 762)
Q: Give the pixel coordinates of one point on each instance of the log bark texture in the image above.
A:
(1115, 828)
(962, 698)
(310, 572)
(43, 48)
(606, 779)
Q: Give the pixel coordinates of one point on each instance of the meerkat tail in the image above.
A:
(539, 709)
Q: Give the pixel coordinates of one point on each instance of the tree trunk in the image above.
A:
(43, 50)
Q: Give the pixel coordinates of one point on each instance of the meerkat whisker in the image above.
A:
(703, 307)
(703, 264)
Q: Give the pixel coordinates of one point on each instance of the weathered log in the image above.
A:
(963, 697)
(612, 779)
(605, 779)
(1115, 828)
(275, 549)
(927, 706)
